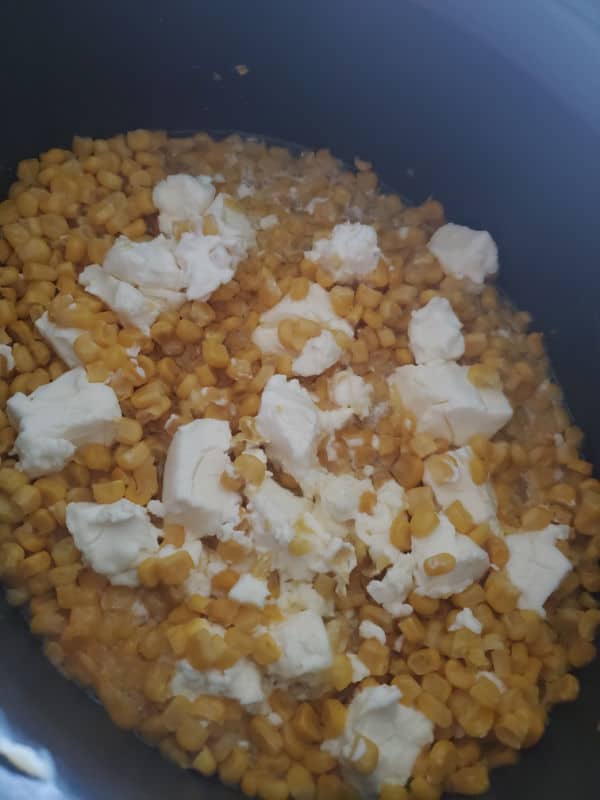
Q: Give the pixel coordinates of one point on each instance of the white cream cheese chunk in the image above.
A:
(464, 252)
(232, 225)
(305, 647)
(277, 516)
(434, 332)
(466, 619)
(206, 263)
(292, 425)
(200, 578)
(6, 353)
(471, 561)
(320, 352)
(399, 732)
(192, 492)
(340, 495)
(392, 590)
(131, 306)
(147, 265)
(270, 221)
(536, 566)
(351, 253)
(478, 499)
(493, 678)
(182, 198)
(374, 529)
(56, 419)
(346, 389)
(360, 671)
(369, 630)
(241, 682)
(446, 404)
(245, 190)
(297, 596)
(113, 538)
(250, 590)
(61, 339)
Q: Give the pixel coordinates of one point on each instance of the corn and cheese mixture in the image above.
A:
(285, 481)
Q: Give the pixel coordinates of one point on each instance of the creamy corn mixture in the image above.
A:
(284, 480)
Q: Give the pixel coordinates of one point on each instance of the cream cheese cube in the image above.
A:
(56, 419)
(464, 252)
(113, 538)
(446, 404)
(434, 332)
(472, 561)
(192, 492)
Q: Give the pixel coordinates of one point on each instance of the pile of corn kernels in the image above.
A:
(64, 212)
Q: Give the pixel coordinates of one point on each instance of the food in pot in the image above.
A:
(285, 480)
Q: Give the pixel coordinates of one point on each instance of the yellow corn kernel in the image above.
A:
(251, 468)
(133, 457)
(484, 377)
(422, 789)
(365, 755)
(512, 727)
(424, 660)
(299, 288)
(412, 628)
(400, 535)
(408, 470)
(265, 735)
(205, 763)
(460, 517)
(434, 709)
(43, 522)
(333, 714)
(424, 521)
(318, 761)
(96, 456)
(458, 674)
(129, 431)
(175, 568)
(439, 564)
(108, 491)
(486, 693)
(35, 564)
(208, 707)
(11, 480)
(215, 354)
(376, 656)
(270, 788)
(341, 672)
(478, 470)
(437, 686)
(11, 557)
(86, 349)
(300, 783)
(563, 690)
(306, 723)
(265, 650)
(300, 545)
(497, 550)
(232, 769)
(28, 499)
(500, 594)
(148, 572)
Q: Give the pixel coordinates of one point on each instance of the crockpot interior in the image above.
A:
(441, 111)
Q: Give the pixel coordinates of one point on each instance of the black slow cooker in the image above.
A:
(490, 107)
